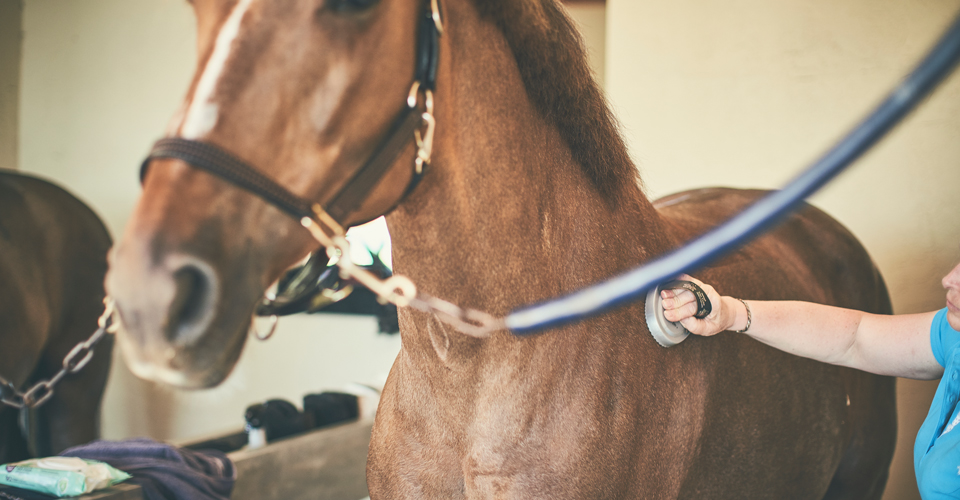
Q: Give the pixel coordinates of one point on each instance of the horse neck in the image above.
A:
(505, 216)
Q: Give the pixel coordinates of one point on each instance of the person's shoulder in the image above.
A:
(943, 338)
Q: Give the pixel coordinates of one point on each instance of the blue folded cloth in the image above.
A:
(165, 472)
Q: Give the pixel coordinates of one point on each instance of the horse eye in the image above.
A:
(349, 6)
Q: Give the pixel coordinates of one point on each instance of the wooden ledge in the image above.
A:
(323, 464)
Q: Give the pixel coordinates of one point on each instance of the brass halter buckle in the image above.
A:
(435, 14)
(424, 139)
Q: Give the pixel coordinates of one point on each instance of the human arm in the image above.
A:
(882, 344)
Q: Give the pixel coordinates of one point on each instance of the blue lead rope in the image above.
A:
(756, 219)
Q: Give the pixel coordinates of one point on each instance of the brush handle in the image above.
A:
(703, 302)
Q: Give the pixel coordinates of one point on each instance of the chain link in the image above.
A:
(73, 362)
(9, 395)
(397, 289)
(472, 322)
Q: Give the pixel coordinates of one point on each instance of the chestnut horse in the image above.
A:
(53, 257)
(529, 193)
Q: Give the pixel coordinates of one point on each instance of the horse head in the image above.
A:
(301, 90)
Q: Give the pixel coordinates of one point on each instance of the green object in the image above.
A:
(61, 476)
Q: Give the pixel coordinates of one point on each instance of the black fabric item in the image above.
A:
(165, 472)
(278, 417)
(331, 407)
(388, 320)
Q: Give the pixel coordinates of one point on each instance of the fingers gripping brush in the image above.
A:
(668, 333)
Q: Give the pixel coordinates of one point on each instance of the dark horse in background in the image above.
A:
(530, 194)
(53, 252)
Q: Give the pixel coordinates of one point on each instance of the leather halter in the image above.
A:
(407, 124)
(299, 285)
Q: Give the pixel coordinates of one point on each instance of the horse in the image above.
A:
(53, 258)
(527, 193)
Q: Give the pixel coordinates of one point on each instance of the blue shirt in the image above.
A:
(936, 453)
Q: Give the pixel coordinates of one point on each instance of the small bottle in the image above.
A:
(256, 433)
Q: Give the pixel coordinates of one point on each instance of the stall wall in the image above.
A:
(591, 18)
(11, 14)
(746, 92)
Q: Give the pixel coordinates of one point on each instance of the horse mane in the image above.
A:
(552, 60)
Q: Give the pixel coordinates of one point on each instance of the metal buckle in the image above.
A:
(330, 296)
(274, 320)
(313, 225)
(108, 320)
(435, 14)
(425, 141)
(414, 95)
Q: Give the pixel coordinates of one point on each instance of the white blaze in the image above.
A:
(203, 112)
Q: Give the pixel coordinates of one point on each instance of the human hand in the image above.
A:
(681, 305)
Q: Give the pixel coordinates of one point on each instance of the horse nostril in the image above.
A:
(191, 286)
(192, 304)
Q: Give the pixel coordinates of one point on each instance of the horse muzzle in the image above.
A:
(174, 328)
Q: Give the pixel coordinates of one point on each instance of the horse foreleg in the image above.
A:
(72, 415)
(13, 446)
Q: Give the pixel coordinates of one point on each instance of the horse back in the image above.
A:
(810, 409)
(52, 250)
(809, 256)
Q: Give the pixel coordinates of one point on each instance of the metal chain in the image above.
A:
(397, 289)
(472, 322)
(73, 362)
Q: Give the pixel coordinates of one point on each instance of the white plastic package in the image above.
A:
(61, 476)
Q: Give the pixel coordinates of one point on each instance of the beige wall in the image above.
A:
(11, 14)
(746, 92)
(591, 17)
